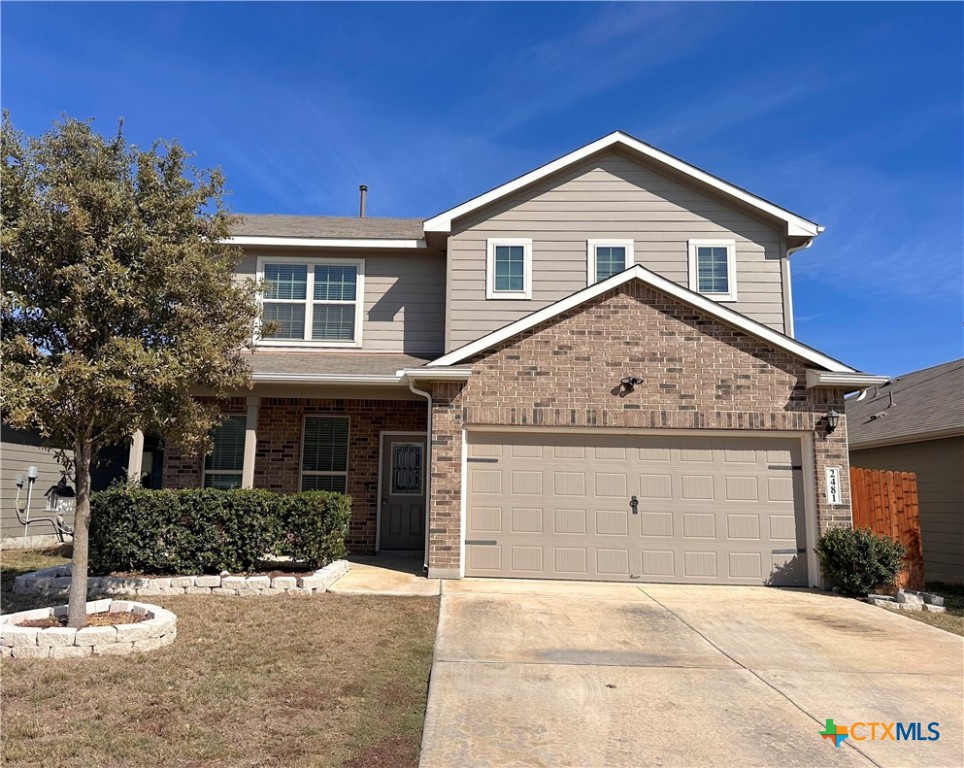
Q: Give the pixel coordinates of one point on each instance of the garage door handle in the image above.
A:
(634, 503)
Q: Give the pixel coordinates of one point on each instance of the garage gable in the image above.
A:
(712, 310)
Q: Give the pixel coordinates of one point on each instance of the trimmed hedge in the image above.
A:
(201, 531)
(858, 561)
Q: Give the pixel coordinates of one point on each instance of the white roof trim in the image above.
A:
(796, 225)
(850, 381)
(710, 307)
(324, 242)
(323, 378)
(436, 374)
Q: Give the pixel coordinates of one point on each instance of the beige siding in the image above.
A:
(19, 451)
(940, 485)
(606, 196)
(404, 296)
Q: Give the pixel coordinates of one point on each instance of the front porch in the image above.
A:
(372, 449)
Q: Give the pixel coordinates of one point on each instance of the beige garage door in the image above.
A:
(707, 509)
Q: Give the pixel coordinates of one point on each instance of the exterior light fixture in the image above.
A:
(833, 419)
(629, 382)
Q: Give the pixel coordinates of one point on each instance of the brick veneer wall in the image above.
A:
(697, 372)
(278, 455)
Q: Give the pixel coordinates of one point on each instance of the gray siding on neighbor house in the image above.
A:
(939, 465)
(613, 196)
(404, 295)
(18, 451)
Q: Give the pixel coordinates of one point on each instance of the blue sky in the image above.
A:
(849, 114)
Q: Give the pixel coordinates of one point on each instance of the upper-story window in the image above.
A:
(224, 465)
(608, 257)
(508, 270)
(713, 268)
(313, 301)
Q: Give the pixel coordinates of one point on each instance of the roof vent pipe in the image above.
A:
(363, 190)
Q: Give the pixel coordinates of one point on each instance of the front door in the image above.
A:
(402, 504)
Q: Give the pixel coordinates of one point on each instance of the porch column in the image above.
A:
(250, 442)
(135, 459)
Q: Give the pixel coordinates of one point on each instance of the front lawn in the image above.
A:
(952, 620)
(268, 682)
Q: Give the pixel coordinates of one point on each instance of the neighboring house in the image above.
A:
(915, 423)
(588, 372)
(21, 449)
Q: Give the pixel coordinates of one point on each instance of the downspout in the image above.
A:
(428, 472)
(788, 297)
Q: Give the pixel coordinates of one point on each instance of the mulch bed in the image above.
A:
(93, 620)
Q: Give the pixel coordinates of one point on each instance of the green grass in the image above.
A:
(269, 682)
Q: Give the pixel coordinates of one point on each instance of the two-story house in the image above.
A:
(589, 372)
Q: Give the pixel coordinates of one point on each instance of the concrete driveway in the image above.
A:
(564, 674)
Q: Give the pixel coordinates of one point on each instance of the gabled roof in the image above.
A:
(923, 405)
(797, 226)
(710, 307)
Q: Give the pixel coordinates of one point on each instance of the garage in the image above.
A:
(622, 507)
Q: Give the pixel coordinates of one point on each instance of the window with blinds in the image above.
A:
(324, 456)
(313, 302)
(223, 466)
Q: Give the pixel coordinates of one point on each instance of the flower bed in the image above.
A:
(157, 628)
(56, 581)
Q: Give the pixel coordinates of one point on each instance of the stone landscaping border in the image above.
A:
(156, 631)
(909, 600)
(56, 581)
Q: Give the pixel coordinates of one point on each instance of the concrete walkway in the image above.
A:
(563, 674)
(387, 574)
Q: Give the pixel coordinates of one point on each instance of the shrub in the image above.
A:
(858, 561)
(208, 531)
(310, 537)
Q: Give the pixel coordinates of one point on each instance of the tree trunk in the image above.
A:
(77, 605)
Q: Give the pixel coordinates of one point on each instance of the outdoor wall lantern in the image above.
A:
(61, 499)
(629, 382)
(833, 419)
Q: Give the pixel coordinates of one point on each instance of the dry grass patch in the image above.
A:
(250, 682)
(951, 620)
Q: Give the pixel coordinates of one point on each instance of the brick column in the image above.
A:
(445, 515)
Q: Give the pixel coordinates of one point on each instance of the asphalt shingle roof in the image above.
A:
(272, 225)
(916, 404)
(282, 363)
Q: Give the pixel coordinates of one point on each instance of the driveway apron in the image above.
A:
(584, 674)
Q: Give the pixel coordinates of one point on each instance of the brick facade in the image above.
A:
(697, 373)
(278, 456)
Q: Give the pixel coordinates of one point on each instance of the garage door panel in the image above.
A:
(655, 486)
(697, 487)
(744, 527)
(656, 523)
(483, 560)
(485, 519)
(569, 521)
(526, 520)
(612, 562)
(700, 565)
(710, 510)
(485, 481)
(569, 483)
(741, 488)
(611, 485)
(658, 563)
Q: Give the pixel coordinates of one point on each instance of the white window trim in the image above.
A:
(204, 460)
(490, 292)
(301, 455)
(730, 246)
(592, 245)
(311, 261)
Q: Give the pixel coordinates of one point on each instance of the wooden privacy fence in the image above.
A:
(886, 502)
